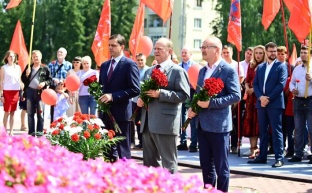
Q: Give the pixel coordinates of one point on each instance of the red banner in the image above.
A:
(100, 43)
(163, 8)
(19, 47)
(234, 26)
(300, 19)
(137, 30)
(13, 3)
(270, 9)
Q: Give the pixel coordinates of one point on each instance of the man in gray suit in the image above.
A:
(215, 119)
(160, 124)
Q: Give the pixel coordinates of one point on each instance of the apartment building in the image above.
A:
(190, 24)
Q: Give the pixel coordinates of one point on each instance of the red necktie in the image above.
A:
(111, 70)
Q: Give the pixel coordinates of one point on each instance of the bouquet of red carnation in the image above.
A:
(158, 79)
(212, 86)
(95, 89)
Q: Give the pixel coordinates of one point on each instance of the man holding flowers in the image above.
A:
(120, 78)
(214, 117)
(161, 116)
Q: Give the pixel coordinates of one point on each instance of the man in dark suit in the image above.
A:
(269, 82)
(160, 124)
(215, 118)
(120, 78)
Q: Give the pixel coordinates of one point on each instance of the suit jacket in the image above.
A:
(164, 113)
(274, 85)
(217, 118)
(124, 85)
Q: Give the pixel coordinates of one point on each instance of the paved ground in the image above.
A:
(262, 178)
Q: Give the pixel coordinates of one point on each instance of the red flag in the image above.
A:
(100, 43)
(163, 8)
(19, 47)
(289, 4)
(270, 9)
(293, 56)
(300, 19)
(13, 3)
(234, 26)
(137, 30)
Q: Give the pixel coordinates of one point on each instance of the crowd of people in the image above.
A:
(273, 96)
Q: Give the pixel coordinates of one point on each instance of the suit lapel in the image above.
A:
(275, 65)
(218, 70)
(116, 69)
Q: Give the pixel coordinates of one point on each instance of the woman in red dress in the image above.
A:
(250, 128)
(10, 84)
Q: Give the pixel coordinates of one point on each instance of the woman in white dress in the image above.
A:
(73, 99)
(10, 84)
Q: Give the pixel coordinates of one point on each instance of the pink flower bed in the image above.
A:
(32, 165)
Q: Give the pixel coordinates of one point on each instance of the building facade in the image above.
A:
(190, 24)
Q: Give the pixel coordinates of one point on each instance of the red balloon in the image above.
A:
(49, 97)
(193, 74)
(72, 82)
(145, 46)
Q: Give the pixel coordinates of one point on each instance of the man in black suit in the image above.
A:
(120, 78)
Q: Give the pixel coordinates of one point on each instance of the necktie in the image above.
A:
(183, 64)
(111, 70)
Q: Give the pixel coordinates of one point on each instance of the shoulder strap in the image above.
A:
(31, 78)
(58, 69)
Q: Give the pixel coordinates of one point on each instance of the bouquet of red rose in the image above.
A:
(95, 89)
(158, 79)
(212, 86)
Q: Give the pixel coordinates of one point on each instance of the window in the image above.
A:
(197, 43)
(199, 3)
(145, 23)
(197, 23)
(155, 21)
(155, 38)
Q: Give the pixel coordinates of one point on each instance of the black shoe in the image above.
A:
(139, 146)
(309, 157)
(193, 149)
(289, 154)
(256, 161)
(295, 159)
(278, 164)
(182, 147)
(310, 162)
(234, 150)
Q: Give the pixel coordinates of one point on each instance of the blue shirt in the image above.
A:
(186, 65)
(61, 74)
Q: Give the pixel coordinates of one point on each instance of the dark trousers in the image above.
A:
(213, 156)
(34, 106)
(137, 123)
(271, 117)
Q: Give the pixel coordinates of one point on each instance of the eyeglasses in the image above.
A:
(303, 53)
(204, 47)
(272, 51)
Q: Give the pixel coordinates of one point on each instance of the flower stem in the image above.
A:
(186, 123)
(135, 113)
(116, 127)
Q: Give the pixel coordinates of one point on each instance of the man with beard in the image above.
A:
(268, 85)
(302, 104)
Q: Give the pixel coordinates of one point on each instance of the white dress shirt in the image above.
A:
(299, 74)
(267, 71)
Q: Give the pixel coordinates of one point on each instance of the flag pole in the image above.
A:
(285, 34)
(170, 24)
(32, 33)
(308, 68)
(238, 111)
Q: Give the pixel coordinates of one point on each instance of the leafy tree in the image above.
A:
(63, 23)
(253, 32)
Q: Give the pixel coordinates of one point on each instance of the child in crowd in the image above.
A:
(61, 104)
